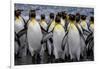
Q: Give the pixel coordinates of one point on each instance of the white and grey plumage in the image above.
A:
(58, 35)
(73, 42)
(34, 36)
(18, 27)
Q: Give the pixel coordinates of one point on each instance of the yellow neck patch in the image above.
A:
(72, 26)
(59, 27)
(83, 24)
(32, 21)
(18, 19)
(92, 25)
(52, 24)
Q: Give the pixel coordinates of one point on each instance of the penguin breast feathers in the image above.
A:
(83, 23)
(19, 24)
(72, 27)
(43, 24)
(59, 27)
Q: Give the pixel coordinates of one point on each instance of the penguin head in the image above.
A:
(57, 19)
(51, 15)
(83, 17)
(32, 14)
(18, 12)
(92, 19)
(64, 15)
(71, 17)
(77, 17)
(59, 14)
(42, 17)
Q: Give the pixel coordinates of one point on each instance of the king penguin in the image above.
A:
(44, 50)
(72, 41)
(82, 41)
(20, 33)
(34, 36)
(58, 35)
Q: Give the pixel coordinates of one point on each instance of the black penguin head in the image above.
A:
(18, 12)
(72, 17)
(57, 19)
(92, 19)
(32, 14)
(42, 17)
(83, 17)
(64, 14)
(51, 15)
(59, 14)
(77, 17)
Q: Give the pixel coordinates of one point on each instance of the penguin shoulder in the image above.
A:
(59, 27)
(18, 19)
(83, 23)
(72, 26)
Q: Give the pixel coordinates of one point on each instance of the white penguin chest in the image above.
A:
(62, 22)
(84, 25)
(44, 25)
(34, 29)
(92, 27)
(19, 25)
(73, 32)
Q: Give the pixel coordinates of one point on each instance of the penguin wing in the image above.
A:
(64, 41)
(47, 36)
(43, 30)
(20, 33)
(80, 32)
(90, 43)
(86, 32)
(89, 37)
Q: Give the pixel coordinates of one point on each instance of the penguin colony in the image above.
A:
(66, 38)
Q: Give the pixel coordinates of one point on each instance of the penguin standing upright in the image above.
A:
(20, 33)
(34, 36)
(73, 39)
(58, 34)
(82, 41)
(43, 52)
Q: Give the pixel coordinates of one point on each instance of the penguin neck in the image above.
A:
(72, 22)
(67, 17)
(17, 17)
(78, 22)
(83, 20)
(91, 22)
(32, 19)
(42, 20)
